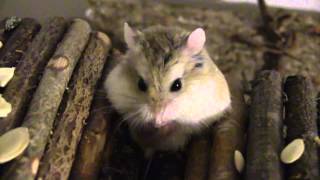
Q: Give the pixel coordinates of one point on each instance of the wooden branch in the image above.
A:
(198, 158)
(166, 165)
(318, 112)
(92, 149)
(95, 135)
(27, 74)
(5, 30)
(123, 158)
(45, 102)
(265, 128)
(301, 115)
(61, 150)
(18, 42)
(228, 133)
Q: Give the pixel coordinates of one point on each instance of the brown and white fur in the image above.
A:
(159, 118)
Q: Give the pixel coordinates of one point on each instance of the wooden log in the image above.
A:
(123, 159)
(59, 156)
(301, 115)
(198, 158)
(27, 74)
(89, 157)
(318, 123)
(18, 42)
(45, 102)
(228, 134)
(265, 128)
(95, 136)
(6, 28)
(165, 165)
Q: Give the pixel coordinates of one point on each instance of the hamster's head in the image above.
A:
(167, 76)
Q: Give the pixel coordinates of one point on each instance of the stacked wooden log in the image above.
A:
(58, 66)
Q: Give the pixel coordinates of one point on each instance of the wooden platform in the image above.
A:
(57, 93)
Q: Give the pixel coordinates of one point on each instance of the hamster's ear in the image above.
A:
(129, 35)
(195, 41)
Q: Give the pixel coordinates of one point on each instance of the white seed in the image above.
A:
(5, 107)
(292, 152)
(1, 44)
(238, 161)
(5, 75)
(34, 166)
(13, 143)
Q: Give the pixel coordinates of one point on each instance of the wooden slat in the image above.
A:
(18, 42)
(45, 102)
(198, 158)
(265, 128)
(19, 90)
(96, 134)
(61, 150)
(228, 133)
(301, 122)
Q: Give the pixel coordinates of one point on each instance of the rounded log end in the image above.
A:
(82, 23)
(59, 63)
(104, 38)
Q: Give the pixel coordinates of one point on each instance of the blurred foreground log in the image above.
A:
(301, 122)
(20, 89)
(198, 158)
(265, 128)
(46, 100)
(123, 158)
(18, 42)
(6, 30)
(61, 150)
(95, 136)
(228, 133)
(165, 165)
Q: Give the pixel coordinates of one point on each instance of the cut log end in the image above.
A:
(59, 63)
(105, 39)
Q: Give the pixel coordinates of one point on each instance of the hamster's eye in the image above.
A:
(176, 85)
(142, 85)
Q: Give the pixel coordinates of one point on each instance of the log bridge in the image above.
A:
(57, 93)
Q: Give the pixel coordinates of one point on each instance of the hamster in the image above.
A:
(166, 87)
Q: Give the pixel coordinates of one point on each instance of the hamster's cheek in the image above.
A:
(120, 90)
(201, 102)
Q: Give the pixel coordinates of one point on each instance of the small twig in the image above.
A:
(266, 18)
(264, 46)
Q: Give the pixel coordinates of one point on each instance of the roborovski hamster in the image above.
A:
(166, 86)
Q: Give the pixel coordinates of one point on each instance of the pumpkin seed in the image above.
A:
(5, 107)
(293, 151)
(238, 161)
(5, 75)
(13, 143)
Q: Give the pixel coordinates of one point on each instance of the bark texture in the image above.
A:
(301, 122)
(45, 102)
(89, 156)
(96, 134)
(60, 153)
(198, 158)
(20, 89)
(18, 42)
(265, 128)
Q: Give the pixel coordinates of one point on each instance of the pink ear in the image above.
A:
(129, 35)
(196, 41)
